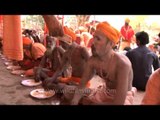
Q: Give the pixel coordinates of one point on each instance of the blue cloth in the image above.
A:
(142, 60)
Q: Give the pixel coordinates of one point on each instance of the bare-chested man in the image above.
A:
(114, 68)
(50, 61)
(75, 57)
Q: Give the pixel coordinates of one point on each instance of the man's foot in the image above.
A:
(134, 91)
(130, 96)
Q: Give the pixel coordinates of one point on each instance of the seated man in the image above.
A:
(114, 68)
(142, 60)
(127, 35)
(152, 96)
(74, 58)
(50, 61)
(33, 53)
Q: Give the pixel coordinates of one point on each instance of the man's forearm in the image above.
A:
(56, 74)
(77, 97)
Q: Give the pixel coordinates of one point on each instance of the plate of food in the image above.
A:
(42, 94)
(13, 67)
(8, 63)
(3, 58)
(18, 72)
(30, 82)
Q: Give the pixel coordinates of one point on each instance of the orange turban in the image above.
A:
(109, 31)
(127, 20)
(69, 32)
(38, 50)
(26, 41)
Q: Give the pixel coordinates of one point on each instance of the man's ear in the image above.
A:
(112, 44)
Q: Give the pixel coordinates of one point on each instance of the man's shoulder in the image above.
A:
(122, 60)
(133, 50)
(151, 53)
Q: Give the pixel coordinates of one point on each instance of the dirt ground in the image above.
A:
(13, 93)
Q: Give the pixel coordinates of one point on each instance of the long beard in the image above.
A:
(51, 46)
(49, 52)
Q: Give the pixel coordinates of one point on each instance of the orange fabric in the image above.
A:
(28, 63)
(69, 32)
(74, 79)
(50, 73)
(12, 37)
(46, 31)
(44, 41)
(152, 96)
(29, 72)
(1, 18)
(1, 26)
(127, 33)
(66, 38)
(109, 31)
(101, 95)
(26, 40)
(38, 50)
(130, 96)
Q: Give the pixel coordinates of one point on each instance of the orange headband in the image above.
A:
(26, 41)
(109, 31)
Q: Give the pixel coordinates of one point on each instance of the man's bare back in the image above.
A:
(76, 56)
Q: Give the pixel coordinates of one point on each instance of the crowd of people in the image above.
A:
(120, 57)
